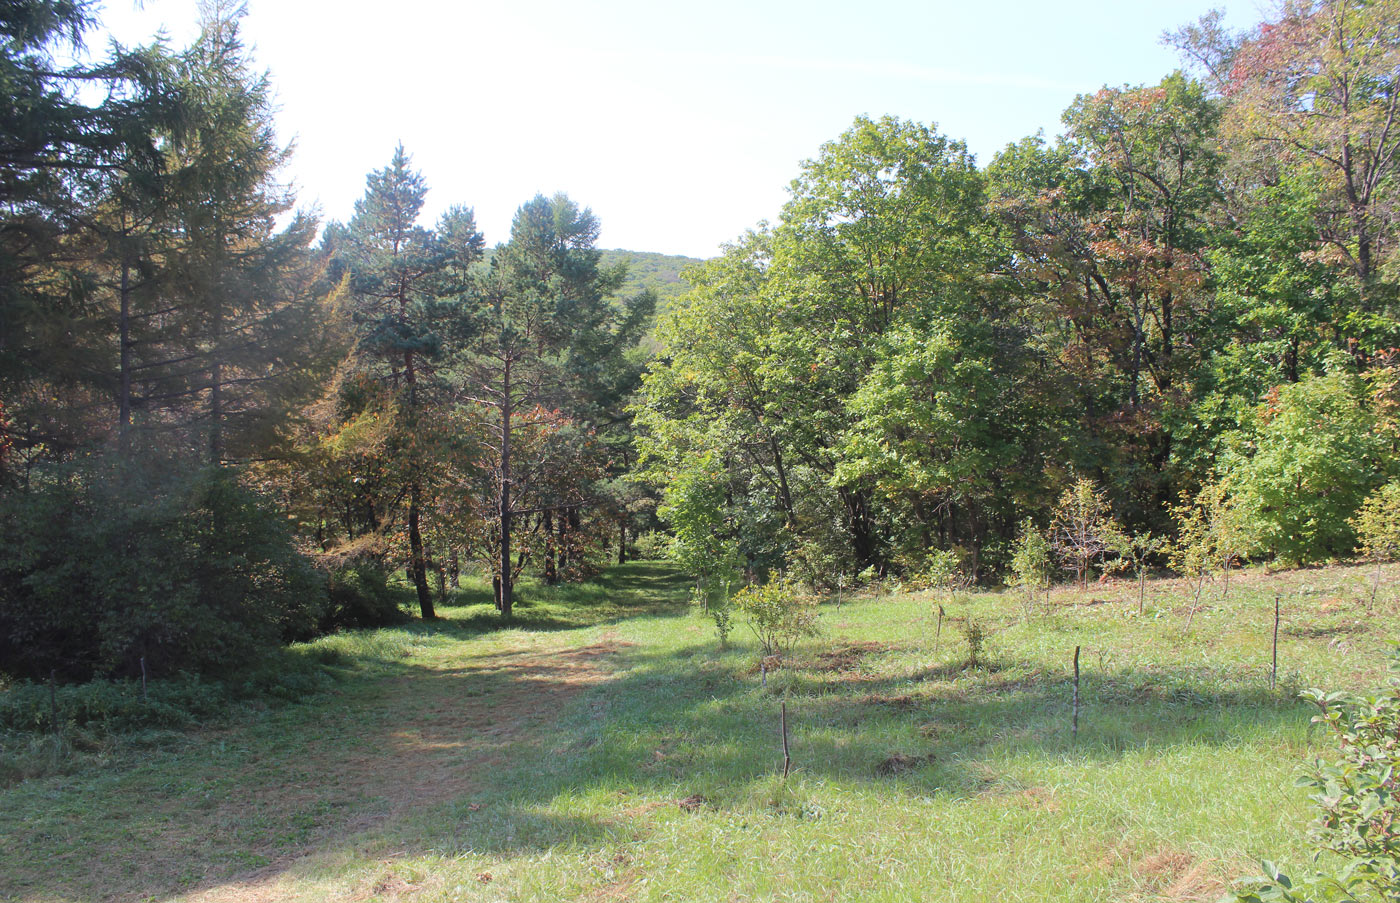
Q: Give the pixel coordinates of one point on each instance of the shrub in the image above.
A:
(1377, 527)
(1031, 561)
(1305, 469)
(1358, 832)
(650, 546)
(778, 614)
(111, 705)
(358, 595)
(976, 635)
(1083, 529)
(1212, 530)
(106, 562)
(941, 571)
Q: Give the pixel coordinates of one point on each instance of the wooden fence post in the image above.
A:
(1074, 722)
(1273, 671)
(787, 756)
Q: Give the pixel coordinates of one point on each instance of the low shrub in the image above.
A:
(778, 614)
(358, 595)
(111, 705)
(1358, 831)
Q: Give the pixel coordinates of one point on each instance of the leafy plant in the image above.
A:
(1303, 472)
(778, 614)
(942, 571)
(976, 635)
(1212, 532)
(1031, 562)
(1083, 530)
(108, 562)
(1377, 527)
(1359, 795)
(720, 608)
(1136, 552)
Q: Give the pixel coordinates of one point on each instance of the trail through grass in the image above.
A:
(604, 748)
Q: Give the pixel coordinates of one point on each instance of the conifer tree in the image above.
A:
(541, 335)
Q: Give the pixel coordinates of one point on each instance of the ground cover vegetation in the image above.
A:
(1162, 342)
(604, 746)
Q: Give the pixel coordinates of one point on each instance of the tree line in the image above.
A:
(224, 425)
(1190, 293)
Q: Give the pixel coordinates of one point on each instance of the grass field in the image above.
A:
(603, 748)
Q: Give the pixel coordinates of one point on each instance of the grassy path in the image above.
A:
(222, 815)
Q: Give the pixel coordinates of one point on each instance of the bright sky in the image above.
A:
(681, 125)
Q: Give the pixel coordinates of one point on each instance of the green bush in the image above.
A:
(1358, 832)
(104, 563)
(777, 613)
(358, 595)
(1377, 527)
(1303, 471)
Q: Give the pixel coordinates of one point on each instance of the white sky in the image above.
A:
(679, 124)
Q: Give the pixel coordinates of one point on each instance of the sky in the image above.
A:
(680, 125)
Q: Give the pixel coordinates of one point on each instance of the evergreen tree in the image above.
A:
(540, 347)
(395, 266)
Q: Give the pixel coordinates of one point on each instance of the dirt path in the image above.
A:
(449, 729)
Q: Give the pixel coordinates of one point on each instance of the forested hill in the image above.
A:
(659, 272)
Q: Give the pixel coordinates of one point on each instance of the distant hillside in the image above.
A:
(658, 272)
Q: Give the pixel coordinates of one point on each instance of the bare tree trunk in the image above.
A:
(551, 573)
(563, 542)
(622, 543)
(216, 390)
(1196, 602)
(416, 565)
(507, 587)
(124, 403)
(1375, 585)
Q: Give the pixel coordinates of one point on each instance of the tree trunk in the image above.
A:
(563, 543)
(416, 565)
(622, 542)
(506, 594)
(861, 530)
(124, 405)
(551, 573)
(216, 396)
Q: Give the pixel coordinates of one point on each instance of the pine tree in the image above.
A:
(537, 348)
(397, 272)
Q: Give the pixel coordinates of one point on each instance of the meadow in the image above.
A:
(603, 747)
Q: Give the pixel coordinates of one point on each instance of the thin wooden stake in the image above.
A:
(1273, 672)
(53, 699)
(1196, 602)
(143, 678)
(787, 756)
(938, 633)
(1074, 723)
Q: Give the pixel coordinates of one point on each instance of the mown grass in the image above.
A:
(652, 770)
